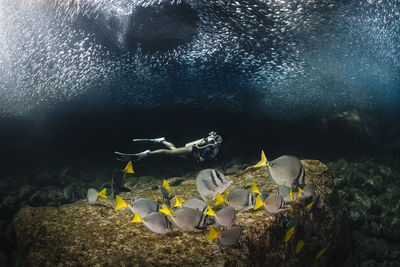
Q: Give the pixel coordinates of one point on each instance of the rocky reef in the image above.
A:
(81, 234)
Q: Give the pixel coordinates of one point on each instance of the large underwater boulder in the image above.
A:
(81, 234)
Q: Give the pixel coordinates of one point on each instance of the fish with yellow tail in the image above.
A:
(239, 199)
(178, 202)
(143, 206)
(93, 195)
(310, 206)
(263, 161)
(225, 217)
(129, 168)
(186, 218)
(305, 237)
(155, 222)
(291, 228)
(322, 251)
(226, 238)
(273, 204)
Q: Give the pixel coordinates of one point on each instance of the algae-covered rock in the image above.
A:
(81, 234)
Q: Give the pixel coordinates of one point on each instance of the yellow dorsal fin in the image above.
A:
(210, 211)
(166, 211)
(166, 185)
(121, 204)
(178, 202)
(137, 218)
(320, 253)
(255, 188)
(300, 244)
(213, 234)
(263, 161)
(129, 168)
(289, 234)
(291, 194)
(102, 193)
(220, 199)
(301, 191)
(259, 203)
(309, 205)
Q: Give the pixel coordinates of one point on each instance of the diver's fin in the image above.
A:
(154, 140)
(137, 218)
(121, 204)
(213, 234)
(102, 193)
(220, 199)
(166, 185)
(123, 156)
(210, 211)
(129, 168)
(258, 203)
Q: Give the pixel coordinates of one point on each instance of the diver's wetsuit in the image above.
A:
(201, 150)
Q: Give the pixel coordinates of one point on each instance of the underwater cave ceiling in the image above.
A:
(287, 59)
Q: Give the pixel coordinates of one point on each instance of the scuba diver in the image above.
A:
(202, 150)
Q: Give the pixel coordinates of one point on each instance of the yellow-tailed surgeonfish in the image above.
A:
(144, 206)
(225, 217)
(263, 161)
(195, 202)
(322, 251)
(239, 199)
(210, 182)
(291, 227)
(128, 168)
(228, 237)
(186, 218)
(92, 195)
(166, 185)
(306, 236)
(178, 202)
(273, 204)
(155, 222)
(286, 193)
(310, 206)
(286, 170)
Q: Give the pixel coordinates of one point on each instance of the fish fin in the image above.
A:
(263, 161)
(102, 193)
(166, 185)
(226, 192)
(289, 234)
(258, 203)
(129, 168)
(300, 244)
(220, 199)
(255, 188)
(166, 211)
(121, 204)
(291, 194)
(178, 202)
(210, 211)
(320, 253)
(301, 191)
(213, 234)
(137, 218)
(309, 205)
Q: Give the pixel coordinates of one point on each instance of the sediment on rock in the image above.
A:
(88, 235)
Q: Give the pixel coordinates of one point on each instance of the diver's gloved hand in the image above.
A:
(134, 157)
